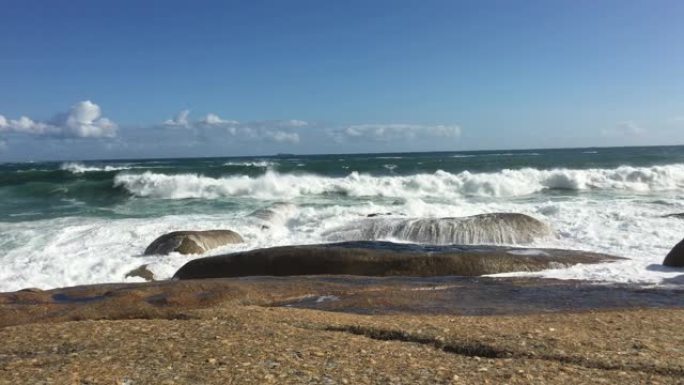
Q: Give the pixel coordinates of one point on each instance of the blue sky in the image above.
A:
(112, 79)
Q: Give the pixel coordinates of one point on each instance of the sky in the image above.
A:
(149, 79)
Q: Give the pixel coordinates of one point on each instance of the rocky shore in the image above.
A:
(343, 330)
(363, 312)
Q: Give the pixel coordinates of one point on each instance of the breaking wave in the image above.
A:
(257, 164)
(80, 168)
(441, 184)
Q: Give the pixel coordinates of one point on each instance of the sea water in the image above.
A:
(83, 222)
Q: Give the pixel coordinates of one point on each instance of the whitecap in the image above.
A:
(80, 168)
(440, 184)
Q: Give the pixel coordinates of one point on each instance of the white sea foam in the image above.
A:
(474, 230)
(80, 250)
(390, 167)
(621, 214)
(514, 154)
(80, 168)
(441, 184)
(259, 164)
(528, 252)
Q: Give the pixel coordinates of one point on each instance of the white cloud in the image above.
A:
(83, 120)
(282, 136)
(26, 125)
(281, 131)
(626, 128)
(181, 119)
(387, 132)
(215, 120)
(294, 123)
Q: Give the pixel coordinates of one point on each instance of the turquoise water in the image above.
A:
(81, 222)
(54, 189)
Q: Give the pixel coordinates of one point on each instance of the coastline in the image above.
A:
(259, 330)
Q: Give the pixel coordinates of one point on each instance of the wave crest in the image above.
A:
(256, 164)
(441, 184)
(80, 168)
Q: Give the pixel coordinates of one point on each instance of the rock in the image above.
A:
(275, 214)
(495, 228)
(278, 210)
(675, 215)
(31, 290)
(141, 272)
(192, 242)
(383, 259)
(675, 258)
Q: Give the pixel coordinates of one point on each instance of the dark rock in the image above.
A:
(141, 272)
(277, 213)
(192, 242)
(383, 259)
(675, 258)
(675, 215)
(31, 290)
(495, 228)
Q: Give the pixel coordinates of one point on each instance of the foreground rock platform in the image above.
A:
(392, 330)
(375, 258)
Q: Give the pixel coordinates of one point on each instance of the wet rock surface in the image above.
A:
(367, 258)
(492, 228)
(141, 272)
(351, 294)
(675, 258)
(490, 296)
(192, 242)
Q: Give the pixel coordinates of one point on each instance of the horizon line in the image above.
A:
(335, 153)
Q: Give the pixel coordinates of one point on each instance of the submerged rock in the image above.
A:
(495, 228)
(141, 272)
(192, 242)
(275, 214)
(383, 259)
(373, 215)
(675, 258)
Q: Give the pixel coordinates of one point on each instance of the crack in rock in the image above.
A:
(477, 349)
(472, 349)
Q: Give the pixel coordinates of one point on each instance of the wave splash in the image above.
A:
(256, 164)
(440, 184)
(496, 228)
(80, 168)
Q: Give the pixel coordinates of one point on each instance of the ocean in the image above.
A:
(86, 222)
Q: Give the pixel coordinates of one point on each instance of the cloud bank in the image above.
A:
(281, 131)
(210, 134)
(83, 120)
(624, 129)
(395, 131)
